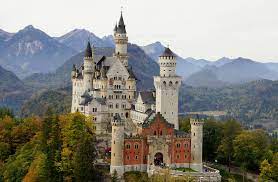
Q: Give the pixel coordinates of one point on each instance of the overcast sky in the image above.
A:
(208, 29)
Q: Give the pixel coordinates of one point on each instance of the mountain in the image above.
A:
(9, 81)
(31, 50)
(243, 70)
(13, 92)
(207, 77)
(222, 61)
(232, 71)
(198, 62)
(5, 36)
(154, 50)
(77, 39)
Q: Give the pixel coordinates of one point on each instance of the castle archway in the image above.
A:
(158, 159)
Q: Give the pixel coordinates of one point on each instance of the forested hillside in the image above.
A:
(251, 102)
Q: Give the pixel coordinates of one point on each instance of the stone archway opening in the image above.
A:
(158, 159)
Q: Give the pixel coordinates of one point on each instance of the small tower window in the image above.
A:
(136, 146)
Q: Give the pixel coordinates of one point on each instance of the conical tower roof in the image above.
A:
(88, 52)
(167, 53)
(121, 25)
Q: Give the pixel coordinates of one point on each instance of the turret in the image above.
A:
(121, 41)
(167, 63)
(73, 71)
(88, 71)
(117, 145)
(196, 144)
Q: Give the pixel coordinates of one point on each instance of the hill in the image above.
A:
(58, 100)
(255, 101)
(13, 92)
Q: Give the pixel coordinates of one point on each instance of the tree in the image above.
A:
(6, 112)
(231, 129)
(84, 160)
(250, 148)
(184, 124)
(114, 177)
(266, 171)
(274, 166)
(37, 171)
(212, 139)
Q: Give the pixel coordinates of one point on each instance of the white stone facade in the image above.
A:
(104, 86)
(167, 88)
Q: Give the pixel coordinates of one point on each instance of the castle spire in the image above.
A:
(88, 52)
(121, 25)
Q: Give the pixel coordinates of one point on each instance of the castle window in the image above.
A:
(178, 145)
(114, 142)
(185, 145)
(136, 157)
(194, 134)
(126, 114)
(127, 157)
(178, 156)
(161, 132)
(154, 133)
(117, 106)
(128, 146)
(136, 146)
(185, 156)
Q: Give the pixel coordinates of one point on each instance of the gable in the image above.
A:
(156, 125)
(118, 69)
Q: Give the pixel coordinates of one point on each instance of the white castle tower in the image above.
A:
(121, 40)
(196, 144)
(117, 145)
(167, 88)
(88, 69)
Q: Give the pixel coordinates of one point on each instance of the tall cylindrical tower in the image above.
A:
(88, 69)
(117, 146)
(167, 86)
(196, 144)
(121, 40)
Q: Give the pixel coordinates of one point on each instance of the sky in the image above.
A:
(207, 29)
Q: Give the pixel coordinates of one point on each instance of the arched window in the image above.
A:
(170, 83)
(164, 83)
(136, 146)
(178, 145)
(154, 133)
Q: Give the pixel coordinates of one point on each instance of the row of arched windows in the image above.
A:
(178, 145)
(170, 83)
(128, 146)
(168, 64)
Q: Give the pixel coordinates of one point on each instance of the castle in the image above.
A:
(105, 87)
